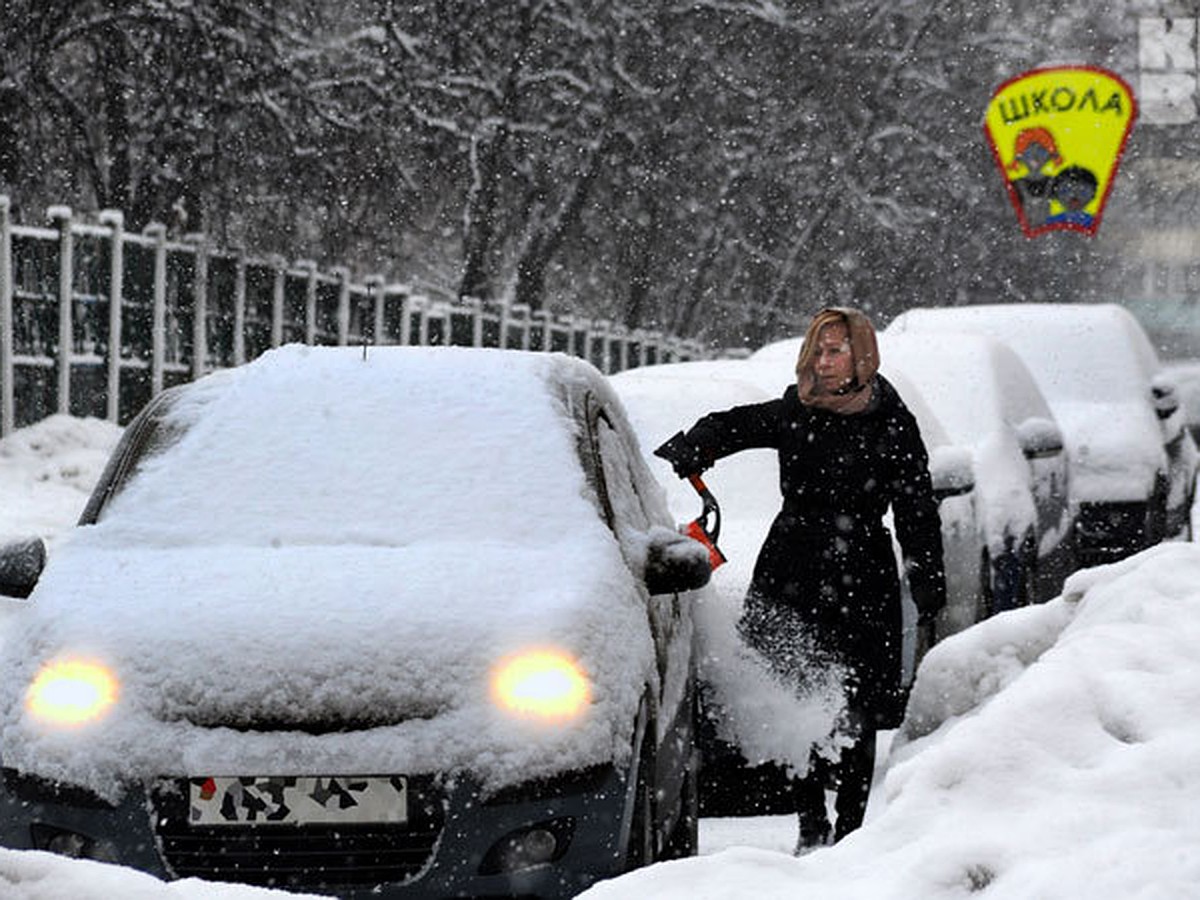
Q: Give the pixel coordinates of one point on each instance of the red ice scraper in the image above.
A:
(699, 529)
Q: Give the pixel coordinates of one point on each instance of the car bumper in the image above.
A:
(456, 844)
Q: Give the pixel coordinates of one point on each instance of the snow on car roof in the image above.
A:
(973, 381)
(1094, 366)
(361, 541)
(320, 446)
(1062, 344)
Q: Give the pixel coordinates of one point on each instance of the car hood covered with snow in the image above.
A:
(322, 580)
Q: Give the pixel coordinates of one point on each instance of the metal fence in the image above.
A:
(94, 320)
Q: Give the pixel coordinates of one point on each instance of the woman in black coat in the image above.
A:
(826, 575)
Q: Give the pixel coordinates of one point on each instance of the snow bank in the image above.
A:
(28, 875)
(46, 473)
(1049, 752)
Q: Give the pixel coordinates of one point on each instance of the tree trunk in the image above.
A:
(540, 250)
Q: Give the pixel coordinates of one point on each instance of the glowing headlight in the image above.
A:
(543, 684)
(71, 692)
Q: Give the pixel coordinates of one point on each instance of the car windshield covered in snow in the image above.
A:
(368, 454)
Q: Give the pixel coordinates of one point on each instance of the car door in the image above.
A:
(622, 473)
(630, 523)
(1041, 443)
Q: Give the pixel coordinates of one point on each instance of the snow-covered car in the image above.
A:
(987, 400)
(1133, 464)
(405, 622)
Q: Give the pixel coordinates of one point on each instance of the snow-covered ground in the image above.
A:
(1050, 752)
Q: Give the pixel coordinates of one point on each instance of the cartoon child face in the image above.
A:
(1074, 188)
(1035, 156)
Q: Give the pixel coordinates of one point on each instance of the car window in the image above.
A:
(628, 509)
(146, 436)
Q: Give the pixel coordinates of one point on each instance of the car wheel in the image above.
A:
(641, 847)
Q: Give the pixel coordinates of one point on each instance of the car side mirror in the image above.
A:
(21, 564)
(952, 471)
(675, 563)
(1039, 438)
(1164, 395)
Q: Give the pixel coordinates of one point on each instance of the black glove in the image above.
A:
(684, 456)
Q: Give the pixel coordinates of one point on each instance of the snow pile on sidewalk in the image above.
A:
(47, 471)
(26, 875)
(1049, 752)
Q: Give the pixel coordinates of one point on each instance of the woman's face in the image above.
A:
(834, 361)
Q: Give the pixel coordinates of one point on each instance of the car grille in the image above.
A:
(300, 856)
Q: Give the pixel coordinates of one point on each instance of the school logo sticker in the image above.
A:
(1057, 135)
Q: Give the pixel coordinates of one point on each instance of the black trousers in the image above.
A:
(850, 776)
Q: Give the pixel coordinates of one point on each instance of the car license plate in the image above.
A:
(283, 800)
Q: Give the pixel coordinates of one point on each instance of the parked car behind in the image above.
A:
(1133, 465)
(409, 624)
(987, 400)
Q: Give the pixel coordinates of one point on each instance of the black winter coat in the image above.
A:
(828, 558)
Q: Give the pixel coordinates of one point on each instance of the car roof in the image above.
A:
(1077, 352)
(408, 444)
(972, 381)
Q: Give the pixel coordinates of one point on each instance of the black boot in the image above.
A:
(854, 773)
(809, 793)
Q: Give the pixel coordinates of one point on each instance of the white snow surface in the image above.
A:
(249, 571)
(1049, 752)
(46, 473)
(30, 875)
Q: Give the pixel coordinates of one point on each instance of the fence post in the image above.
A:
(158, 319)
(343, 311)
(310, 300)
(476, 306)
(374, 285)
(115, 220)
(239, 308)
(406, 313)
(199, 306)
(66, 289)
(7, 403)
(280, 266)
